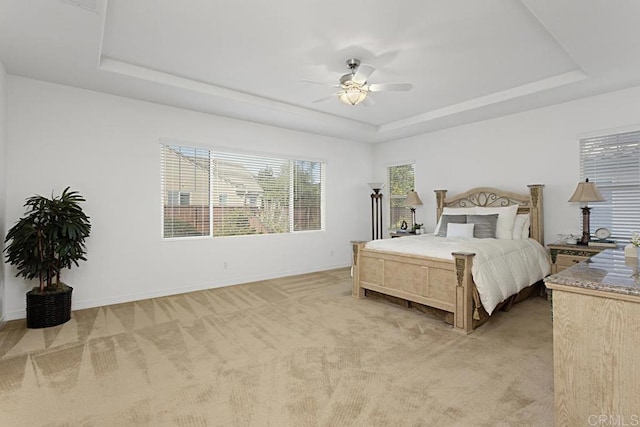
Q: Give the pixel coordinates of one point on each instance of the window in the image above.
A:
(173, 198)
(185, 199)
(178, 198)
(244, 194)
(185, 181)
(401, 180)
(613, 163)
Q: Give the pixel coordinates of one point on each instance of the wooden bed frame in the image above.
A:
(441, 286)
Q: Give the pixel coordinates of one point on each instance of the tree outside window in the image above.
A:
(401, 181)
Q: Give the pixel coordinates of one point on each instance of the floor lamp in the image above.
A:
(586, 192)
(376, 210)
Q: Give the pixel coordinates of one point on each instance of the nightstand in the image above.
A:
(564, 256)
(396, 234)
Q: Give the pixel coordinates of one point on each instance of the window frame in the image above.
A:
(407, 216)
(291, 160)
(622, 192)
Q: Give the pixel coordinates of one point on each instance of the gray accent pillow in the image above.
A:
(446, 219)
(485, 225)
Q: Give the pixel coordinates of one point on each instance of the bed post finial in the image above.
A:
(537, 224)
(440, 196)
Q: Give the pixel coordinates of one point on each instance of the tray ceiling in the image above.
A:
(467, 60)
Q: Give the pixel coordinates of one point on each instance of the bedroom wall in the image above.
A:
(107, 148)
(3, 181)
(538, 146)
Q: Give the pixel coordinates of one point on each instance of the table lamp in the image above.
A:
(586, 192)
(412, 201)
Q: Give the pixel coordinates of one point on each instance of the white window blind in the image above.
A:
(185, 191)
(308, 193)
(253, 194)
(401, 180)
(257, 194)
(613, 163)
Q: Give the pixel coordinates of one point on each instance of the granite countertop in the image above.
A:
(608, 271)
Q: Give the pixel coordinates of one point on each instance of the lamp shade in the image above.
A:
(376, 185)
(412, 199)
(587, 192)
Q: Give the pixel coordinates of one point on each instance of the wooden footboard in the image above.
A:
(443, 284)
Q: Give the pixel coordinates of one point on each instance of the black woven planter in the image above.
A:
(48, 309)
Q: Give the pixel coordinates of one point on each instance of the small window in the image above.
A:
(185, 199)
(178, 198)
(173, 198)
(401, 179)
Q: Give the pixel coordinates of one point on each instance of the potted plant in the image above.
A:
(417, 228)
(46, 240)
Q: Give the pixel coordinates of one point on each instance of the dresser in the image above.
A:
(565, 256)
(596, 341)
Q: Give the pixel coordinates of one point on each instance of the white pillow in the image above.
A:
(454, 211)
(525, 229)
(463, 231)
(521, 227)
(506, 219)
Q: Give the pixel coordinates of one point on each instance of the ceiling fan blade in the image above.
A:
(363, 73)
(398, 87)
(315, 82)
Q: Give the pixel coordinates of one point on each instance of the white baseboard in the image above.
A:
(79, 305)
(15, 315)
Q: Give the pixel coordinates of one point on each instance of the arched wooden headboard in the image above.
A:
(492, 197)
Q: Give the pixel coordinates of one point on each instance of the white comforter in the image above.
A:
(500, 268)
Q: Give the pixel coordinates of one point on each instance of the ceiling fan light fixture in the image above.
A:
(354, 87)
(352, 94)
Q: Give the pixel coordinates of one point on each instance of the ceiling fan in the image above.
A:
(355, 87)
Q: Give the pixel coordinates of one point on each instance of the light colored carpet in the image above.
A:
(297, 351)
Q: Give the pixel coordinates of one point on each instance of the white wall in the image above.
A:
(3, 186)
(539, 146)
(107, 148)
